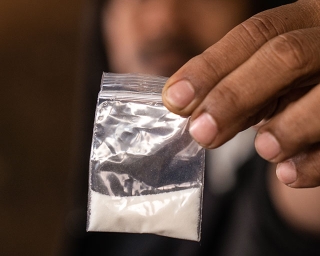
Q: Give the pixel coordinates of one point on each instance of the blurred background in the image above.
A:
(38, 62)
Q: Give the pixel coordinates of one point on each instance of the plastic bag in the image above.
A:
(146, 172)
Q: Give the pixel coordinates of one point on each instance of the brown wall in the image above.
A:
(38, 49)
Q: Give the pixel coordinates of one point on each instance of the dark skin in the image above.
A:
(266, 71)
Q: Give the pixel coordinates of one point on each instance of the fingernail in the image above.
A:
(204, 129)
(287, 172)
(180, 94)
(267, 146)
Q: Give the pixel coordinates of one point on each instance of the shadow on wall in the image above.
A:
(38, 54)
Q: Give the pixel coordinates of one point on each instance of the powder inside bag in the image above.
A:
(172, 214)
(146, 171)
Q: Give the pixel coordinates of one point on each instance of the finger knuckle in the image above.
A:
(309, 163)
(209, 64)
(290, 51)
(229, 98)
(228, 95)
(260, 28)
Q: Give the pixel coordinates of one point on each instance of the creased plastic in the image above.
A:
(146, 172)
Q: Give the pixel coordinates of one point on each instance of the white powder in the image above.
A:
(172, 214)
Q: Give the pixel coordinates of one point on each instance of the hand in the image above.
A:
(267, 71)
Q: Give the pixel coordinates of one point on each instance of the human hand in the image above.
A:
(266, 71)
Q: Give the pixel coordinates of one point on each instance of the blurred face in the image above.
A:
(159, 36)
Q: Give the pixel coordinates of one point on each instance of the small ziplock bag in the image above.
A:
(146, 171)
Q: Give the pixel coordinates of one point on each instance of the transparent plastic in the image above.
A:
(146, 172)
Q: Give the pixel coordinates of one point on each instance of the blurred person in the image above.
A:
(246, 210)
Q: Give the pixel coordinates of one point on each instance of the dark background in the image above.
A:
(38, 62)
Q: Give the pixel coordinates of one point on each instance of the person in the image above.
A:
(281, 57)
(263, 73)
